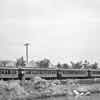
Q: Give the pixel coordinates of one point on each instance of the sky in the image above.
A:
(61, 30)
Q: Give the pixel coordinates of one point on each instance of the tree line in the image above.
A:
(45, 63)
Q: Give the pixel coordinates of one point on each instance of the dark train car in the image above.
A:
(46, 73)
(8, 73)
(74, 73)
(95, 73)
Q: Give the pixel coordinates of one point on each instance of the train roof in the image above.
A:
(73, 69)
(8, 68)
(95, 69)
(39, 68)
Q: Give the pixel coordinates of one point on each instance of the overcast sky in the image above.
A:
(57, 29)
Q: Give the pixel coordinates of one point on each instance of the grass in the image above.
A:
(89, 81)
(92, 84)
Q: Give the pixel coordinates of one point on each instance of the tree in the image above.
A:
(4, 63)
(94, 66)
(77, 65)
(59, 65)
(20, 62)
(66, 66)
(86, 64)
(43, 63)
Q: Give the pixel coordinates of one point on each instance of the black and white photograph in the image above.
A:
(49, 49)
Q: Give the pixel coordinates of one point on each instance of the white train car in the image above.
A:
(41, 72)
(8, 73)
(74, 73)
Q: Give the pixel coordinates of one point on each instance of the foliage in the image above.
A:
(86, 64)
(66, 66)
(59, 65)
(43, 63)
(94, 66)
(4, 63)
(20, 62)
(77, 65)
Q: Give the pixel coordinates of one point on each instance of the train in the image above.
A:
(47, 73)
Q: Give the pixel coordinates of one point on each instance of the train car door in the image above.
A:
(89, 73)
(59, 74)
(20, 74)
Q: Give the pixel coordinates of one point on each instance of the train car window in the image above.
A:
(46, 72)
(13, 71)
(49, 72)
(63, 72)
(78, 72)
(40, 71)
(34, 72)
(96, 72)
(43, 72)
(67, 72)
(53, 72)
(6, 71)
(28, 72)
(73, 72)
(25, 71)
(9, 71)
(2, 71)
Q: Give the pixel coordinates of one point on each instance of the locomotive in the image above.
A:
(47, 73)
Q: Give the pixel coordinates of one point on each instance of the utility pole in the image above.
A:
(26, 44)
